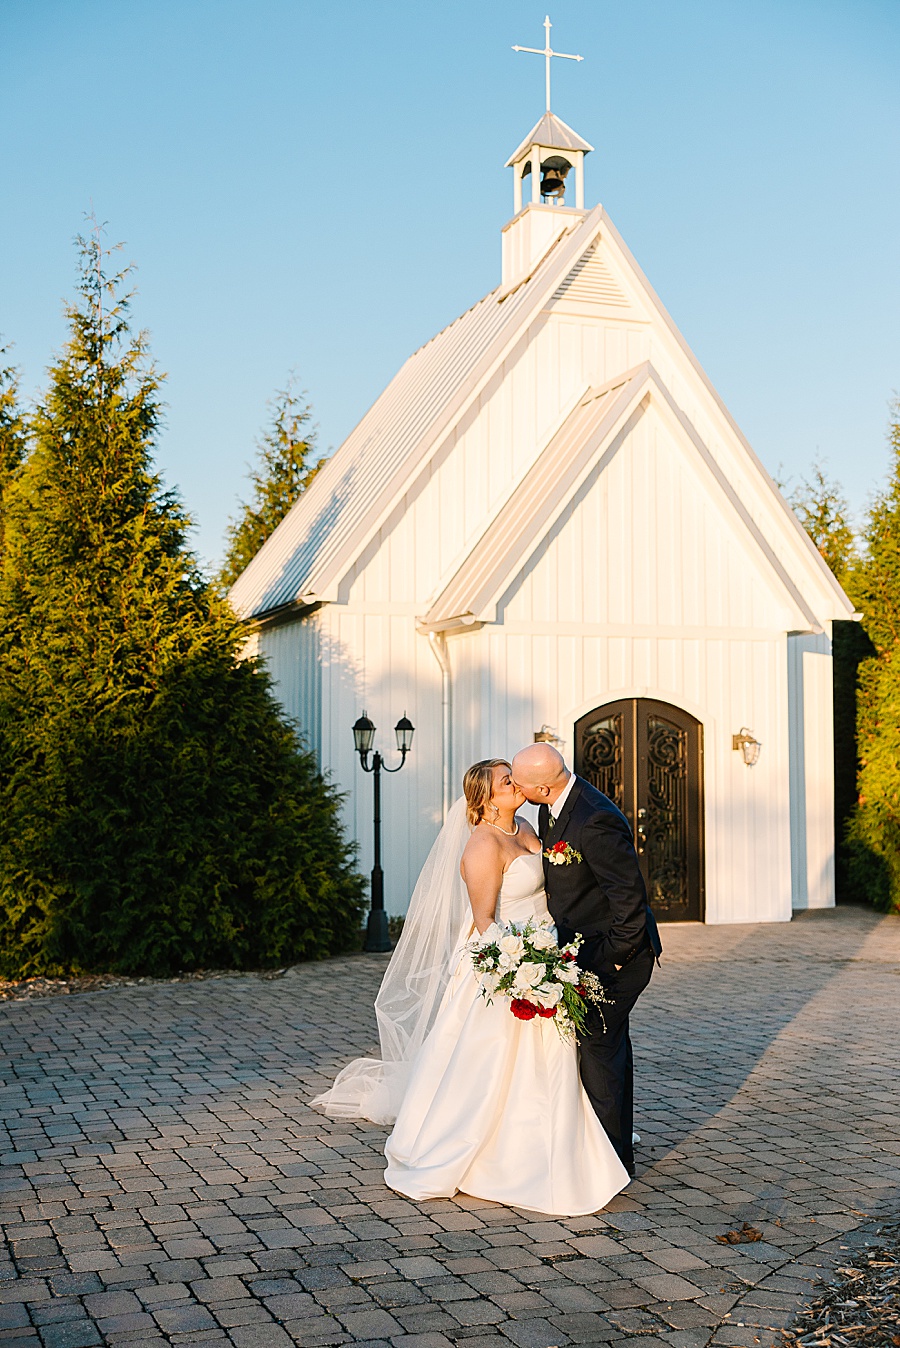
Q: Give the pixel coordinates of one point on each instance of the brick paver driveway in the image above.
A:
(163, 1180)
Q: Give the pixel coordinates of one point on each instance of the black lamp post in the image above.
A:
(377, 937)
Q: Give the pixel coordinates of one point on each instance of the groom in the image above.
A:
(600, 894)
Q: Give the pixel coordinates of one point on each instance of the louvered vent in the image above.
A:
(591, 280)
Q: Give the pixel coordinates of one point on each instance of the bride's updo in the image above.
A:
(477, 786)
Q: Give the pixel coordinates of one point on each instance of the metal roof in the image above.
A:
(307, 555)
(552, 133)
(317, 543)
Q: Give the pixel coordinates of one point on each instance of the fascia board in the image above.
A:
(473, 592)
(325, 584)
(796, 532)
(663, 398)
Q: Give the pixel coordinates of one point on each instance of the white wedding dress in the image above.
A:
(494, 1106)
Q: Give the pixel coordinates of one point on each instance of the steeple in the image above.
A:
(541, 166)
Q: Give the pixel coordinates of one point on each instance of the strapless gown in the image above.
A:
(495, 1107)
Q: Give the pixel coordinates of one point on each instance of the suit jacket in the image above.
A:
(603, 896)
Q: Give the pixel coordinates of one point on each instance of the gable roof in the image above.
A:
(590, 435)
(316, 544)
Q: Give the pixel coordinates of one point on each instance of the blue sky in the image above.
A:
(321, 187)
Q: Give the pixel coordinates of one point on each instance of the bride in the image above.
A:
(481, 1102)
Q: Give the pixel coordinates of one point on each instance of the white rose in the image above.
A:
(506, 962)
(513, 946)
(568, 973)
(529, 975)
(491, 935)
(548, 994)
(490, 983)
(543, 939)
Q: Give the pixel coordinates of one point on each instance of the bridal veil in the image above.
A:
(436, 926)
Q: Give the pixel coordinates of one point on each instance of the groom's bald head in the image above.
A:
(540, 773)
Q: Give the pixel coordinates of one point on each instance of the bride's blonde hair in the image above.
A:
(477, 786)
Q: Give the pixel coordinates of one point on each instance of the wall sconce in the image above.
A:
(547, 735)
(748, 744)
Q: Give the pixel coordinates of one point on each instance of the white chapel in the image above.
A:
(548, 525)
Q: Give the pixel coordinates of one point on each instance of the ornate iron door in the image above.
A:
(648, 757)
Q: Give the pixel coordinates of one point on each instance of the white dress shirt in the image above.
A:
(556, 808)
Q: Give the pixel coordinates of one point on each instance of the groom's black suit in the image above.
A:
(603, 897)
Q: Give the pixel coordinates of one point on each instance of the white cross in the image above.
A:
(547, 51)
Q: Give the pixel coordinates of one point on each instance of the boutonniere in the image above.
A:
(562, 854)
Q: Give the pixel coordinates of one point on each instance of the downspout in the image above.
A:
(438, 643)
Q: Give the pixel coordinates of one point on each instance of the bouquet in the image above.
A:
(522, 961)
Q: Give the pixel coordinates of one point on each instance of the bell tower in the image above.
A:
(541, 167)
(542, 163)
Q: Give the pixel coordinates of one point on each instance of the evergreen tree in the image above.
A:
(156, 813)
(284, 469)
(822, 509)
(13, 442)
(874, 585)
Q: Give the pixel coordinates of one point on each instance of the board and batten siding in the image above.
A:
(374, 660)
(440, 520)
(642, 589)
(811, 695)
(330, 667)
(507, 686)
(292, 654)
(650, 584)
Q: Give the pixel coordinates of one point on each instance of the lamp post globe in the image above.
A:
(363, 736)
(404, 730)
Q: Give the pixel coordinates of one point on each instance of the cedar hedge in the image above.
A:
(157, 813)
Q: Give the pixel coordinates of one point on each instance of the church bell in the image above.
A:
(553, 181)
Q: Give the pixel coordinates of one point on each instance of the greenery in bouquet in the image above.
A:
(524, 963)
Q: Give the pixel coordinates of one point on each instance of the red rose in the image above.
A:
(582, 992)
(559, 847)
(546, 1010)
(522, 1009)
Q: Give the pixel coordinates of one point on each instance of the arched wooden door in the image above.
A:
(648, 757)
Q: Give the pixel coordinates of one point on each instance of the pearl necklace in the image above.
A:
(504, 830)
